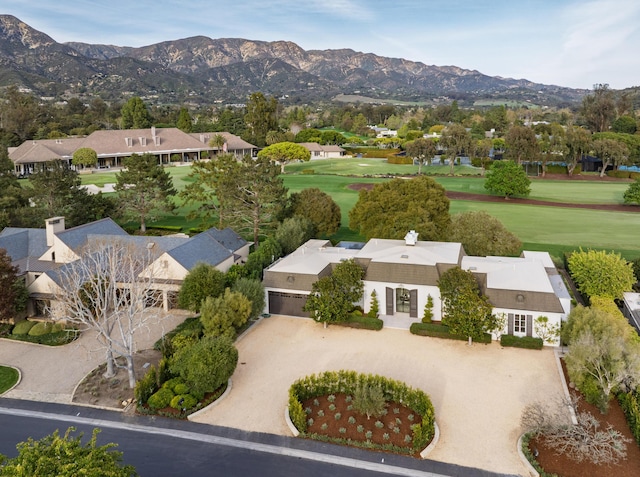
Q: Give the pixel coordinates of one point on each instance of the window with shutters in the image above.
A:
(519, 324)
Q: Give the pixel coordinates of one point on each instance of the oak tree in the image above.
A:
(318, 208)
(392, 208)
(284, 152)
(521, 144)
(421, 150)
(482, 235)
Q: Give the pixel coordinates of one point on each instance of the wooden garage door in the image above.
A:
(287, 304)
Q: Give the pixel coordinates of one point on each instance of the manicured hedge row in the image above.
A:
(630, 404)
(399, 160)
(343, 381)
(436, 330)
(527, 342)
(362, 322)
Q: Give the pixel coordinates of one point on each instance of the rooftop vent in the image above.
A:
(411, 238)
(404, 256)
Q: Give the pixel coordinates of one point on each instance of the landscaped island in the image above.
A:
(362, 410)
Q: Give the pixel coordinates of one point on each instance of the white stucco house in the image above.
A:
(404, 273)
(41, 255)
(318, 151)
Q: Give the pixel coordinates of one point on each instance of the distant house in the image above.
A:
(41, 254)
(112, 146)
(404, 273)
(319, 151)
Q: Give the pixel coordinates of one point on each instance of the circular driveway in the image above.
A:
(478, 391)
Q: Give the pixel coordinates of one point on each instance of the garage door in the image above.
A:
(287, 304)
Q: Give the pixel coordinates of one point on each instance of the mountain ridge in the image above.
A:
(200, 69)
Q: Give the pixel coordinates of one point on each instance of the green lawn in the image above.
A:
(363, 166)
(8, 378)
(555, 229)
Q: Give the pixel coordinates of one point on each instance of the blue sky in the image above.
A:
(564, 42)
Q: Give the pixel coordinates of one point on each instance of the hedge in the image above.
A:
(399, 160)
(437, 330)
(630, 404)
(343, 381)
(527, 342)
(362, 322)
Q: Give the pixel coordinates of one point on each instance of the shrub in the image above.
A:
(146, 386)
(619, 174)
(161, 398)
(361, 322)
(630, 404)
(207, 365)
(337, 416)
(308, 171)
(527, 342)
(399, 160)
(181, 388)
(23, 327)
(183, 401)
(41, 328)
(172, 383)
(254, 291)
(442, 331)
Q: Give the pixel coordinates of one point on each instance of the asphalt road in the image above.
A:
(162, 447)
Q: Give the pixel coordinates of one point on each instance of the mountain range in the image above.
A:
(202, 70)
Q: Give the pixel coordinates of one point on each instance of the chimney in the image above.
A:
(54, 225)
(411, 238)
(153, 131)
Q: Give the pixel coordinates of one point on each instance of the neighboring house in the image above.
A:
(631, 309)
(41, 255)
(112, 146)
(319, 151)
(405, 272)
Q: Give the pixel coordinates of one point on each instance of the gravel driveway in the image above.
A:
(478, 392)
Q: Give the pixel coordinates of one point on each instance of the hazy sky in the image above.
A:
(564, 42)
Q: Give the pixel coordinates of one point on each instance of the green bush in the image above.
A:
(188, 401)
(361, 322)
(634, 175)
(527, 342)
(592, 393)
(23, 327)
(41, 328)
(181, 388)
(146, 386)
(618, 174)
(168, 228)
(630, 404)
(436, 330)
(161, 398)
(172, 384)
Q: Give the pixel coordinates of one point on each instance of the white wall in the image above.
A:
(554, 319)
(423, 292)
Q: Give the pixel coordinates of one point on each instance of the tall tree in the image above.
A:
(201, 190)
(14, 296)
(144, 189)
(457, 142)
(611, 152)
(261, 117)
(507, 178)
(285, 152)
(422, 150)
(20, 115)
(135, 114)
(56, 190)
(185, 123)
(218, 141)
(522, 144)
(483, 235)
(251, 194)
(599, 108)
(12, 196)
(66, 456)
(318, 208)
(578, 142)
(393, 208)
(466, 311)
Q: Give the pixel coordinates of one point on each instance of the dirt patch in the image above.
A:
(565, 467)
(453, 195)
(97, 390)
(333, 416)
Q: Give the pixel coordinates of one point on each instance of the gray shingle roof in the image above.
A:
(24, 246)
(228, 238)
(76, 237)
(201, 248)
